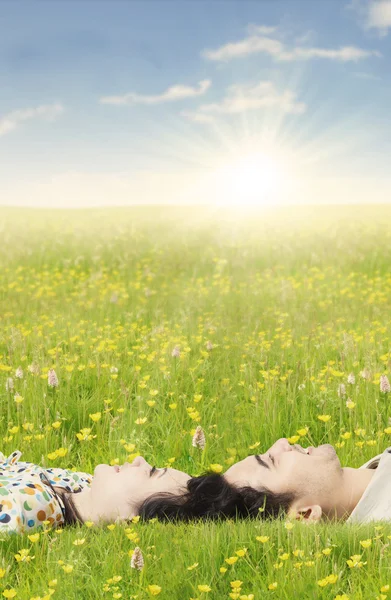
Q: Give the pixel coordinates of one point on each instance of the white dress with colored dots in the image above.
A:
(25, 501)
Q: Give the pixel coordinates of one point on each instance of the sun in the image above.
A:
(254, 179)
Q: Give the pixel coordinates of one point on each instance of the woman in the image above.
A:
(30, 495)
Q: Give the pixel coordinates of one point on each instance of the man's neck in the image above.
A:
(354, 484)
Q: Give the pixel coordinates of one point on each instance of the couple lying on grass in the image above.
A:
(310, 485)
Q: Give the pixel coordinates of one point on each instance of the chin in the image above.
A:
(99, 467)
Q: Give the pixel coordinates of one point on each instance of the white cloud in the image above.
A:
(255, 44)
(261, 29)
(379, 15)
(364, 75)
(11, 120)
(176, 92)
(241, 98)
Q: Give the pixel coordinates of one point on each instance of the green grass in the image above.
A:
(293, 300)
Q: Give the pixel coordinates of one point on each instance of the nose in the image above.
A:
(280, 446)
(283, 445)
(139, 461)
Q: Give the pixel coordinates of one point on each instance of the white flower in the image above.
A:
(19, 373)
(365, 374)
(113, 370)
(385, 386)
(176, 352)
(301, 386)
(34, 369)
(209, 345)
(198, 440)
(137, 560)
(9, 384)
(341, 390)
(351, 378)
(52, 378)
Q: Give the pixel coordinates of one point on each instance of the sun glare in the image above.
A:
(252, 180)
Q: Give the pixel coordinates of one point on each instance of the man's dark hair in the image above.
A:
(210, 496)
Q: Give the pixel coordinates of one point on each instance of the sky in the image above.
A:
(237, 103)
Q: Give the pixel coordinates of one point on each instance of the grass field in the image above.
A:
(289, 303)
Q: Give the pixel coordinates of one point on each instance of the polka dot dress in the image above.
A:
(26, 501)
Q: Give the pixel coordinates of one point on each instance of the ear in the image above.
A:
(309, 513)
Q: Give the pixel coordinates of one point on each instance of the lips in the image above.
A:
(116, 467)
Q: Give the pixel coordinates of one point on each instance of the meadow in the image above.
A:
(270, 313)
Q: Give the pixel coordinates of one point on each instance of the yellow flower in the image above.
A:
(129, 447)
(254, 446)
(173, 406)
(231, 560)
(34, 537)
(385, 588)
(193, 566)
(96, 417)
(23, 555)
(89, 523)
(154, 590)
(141, 420)
(236, 584)
(18, 399)
(2, 572)
(365, 543)
(216, 468)
(302, 432)
(324, 418)
(68, 568)
(9, 593)
(262, 538)
(273, 586)
(293, 439)
(111, 527)
(204, 588)
(79, 542)
(241, 552)
(56, 424)
(62, 452)
(223, 569)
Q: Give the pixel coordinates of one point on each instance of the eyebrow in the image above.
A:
(261, 462)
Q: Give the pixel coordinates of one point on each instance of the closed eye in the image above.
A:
(154, 469)
(262, 462)
(271, 458)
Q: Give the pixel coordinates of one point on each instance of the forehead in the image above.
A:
(177, 476)
(249, 461)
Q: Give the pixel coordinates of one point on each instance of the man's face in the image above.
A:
(314, 477)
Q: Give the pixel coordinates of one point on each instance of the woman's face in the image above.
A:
(118, 491)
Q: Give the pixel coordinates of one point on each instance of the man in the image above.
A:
(316, 484)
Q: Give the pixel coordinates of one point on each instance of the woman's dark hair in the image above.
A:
(210, 496)
(70, 513)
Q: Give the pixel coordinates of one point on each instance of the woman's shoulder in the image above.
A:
(12, 469)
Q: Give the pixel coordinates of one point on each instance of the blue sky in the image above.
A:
(138, 102)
